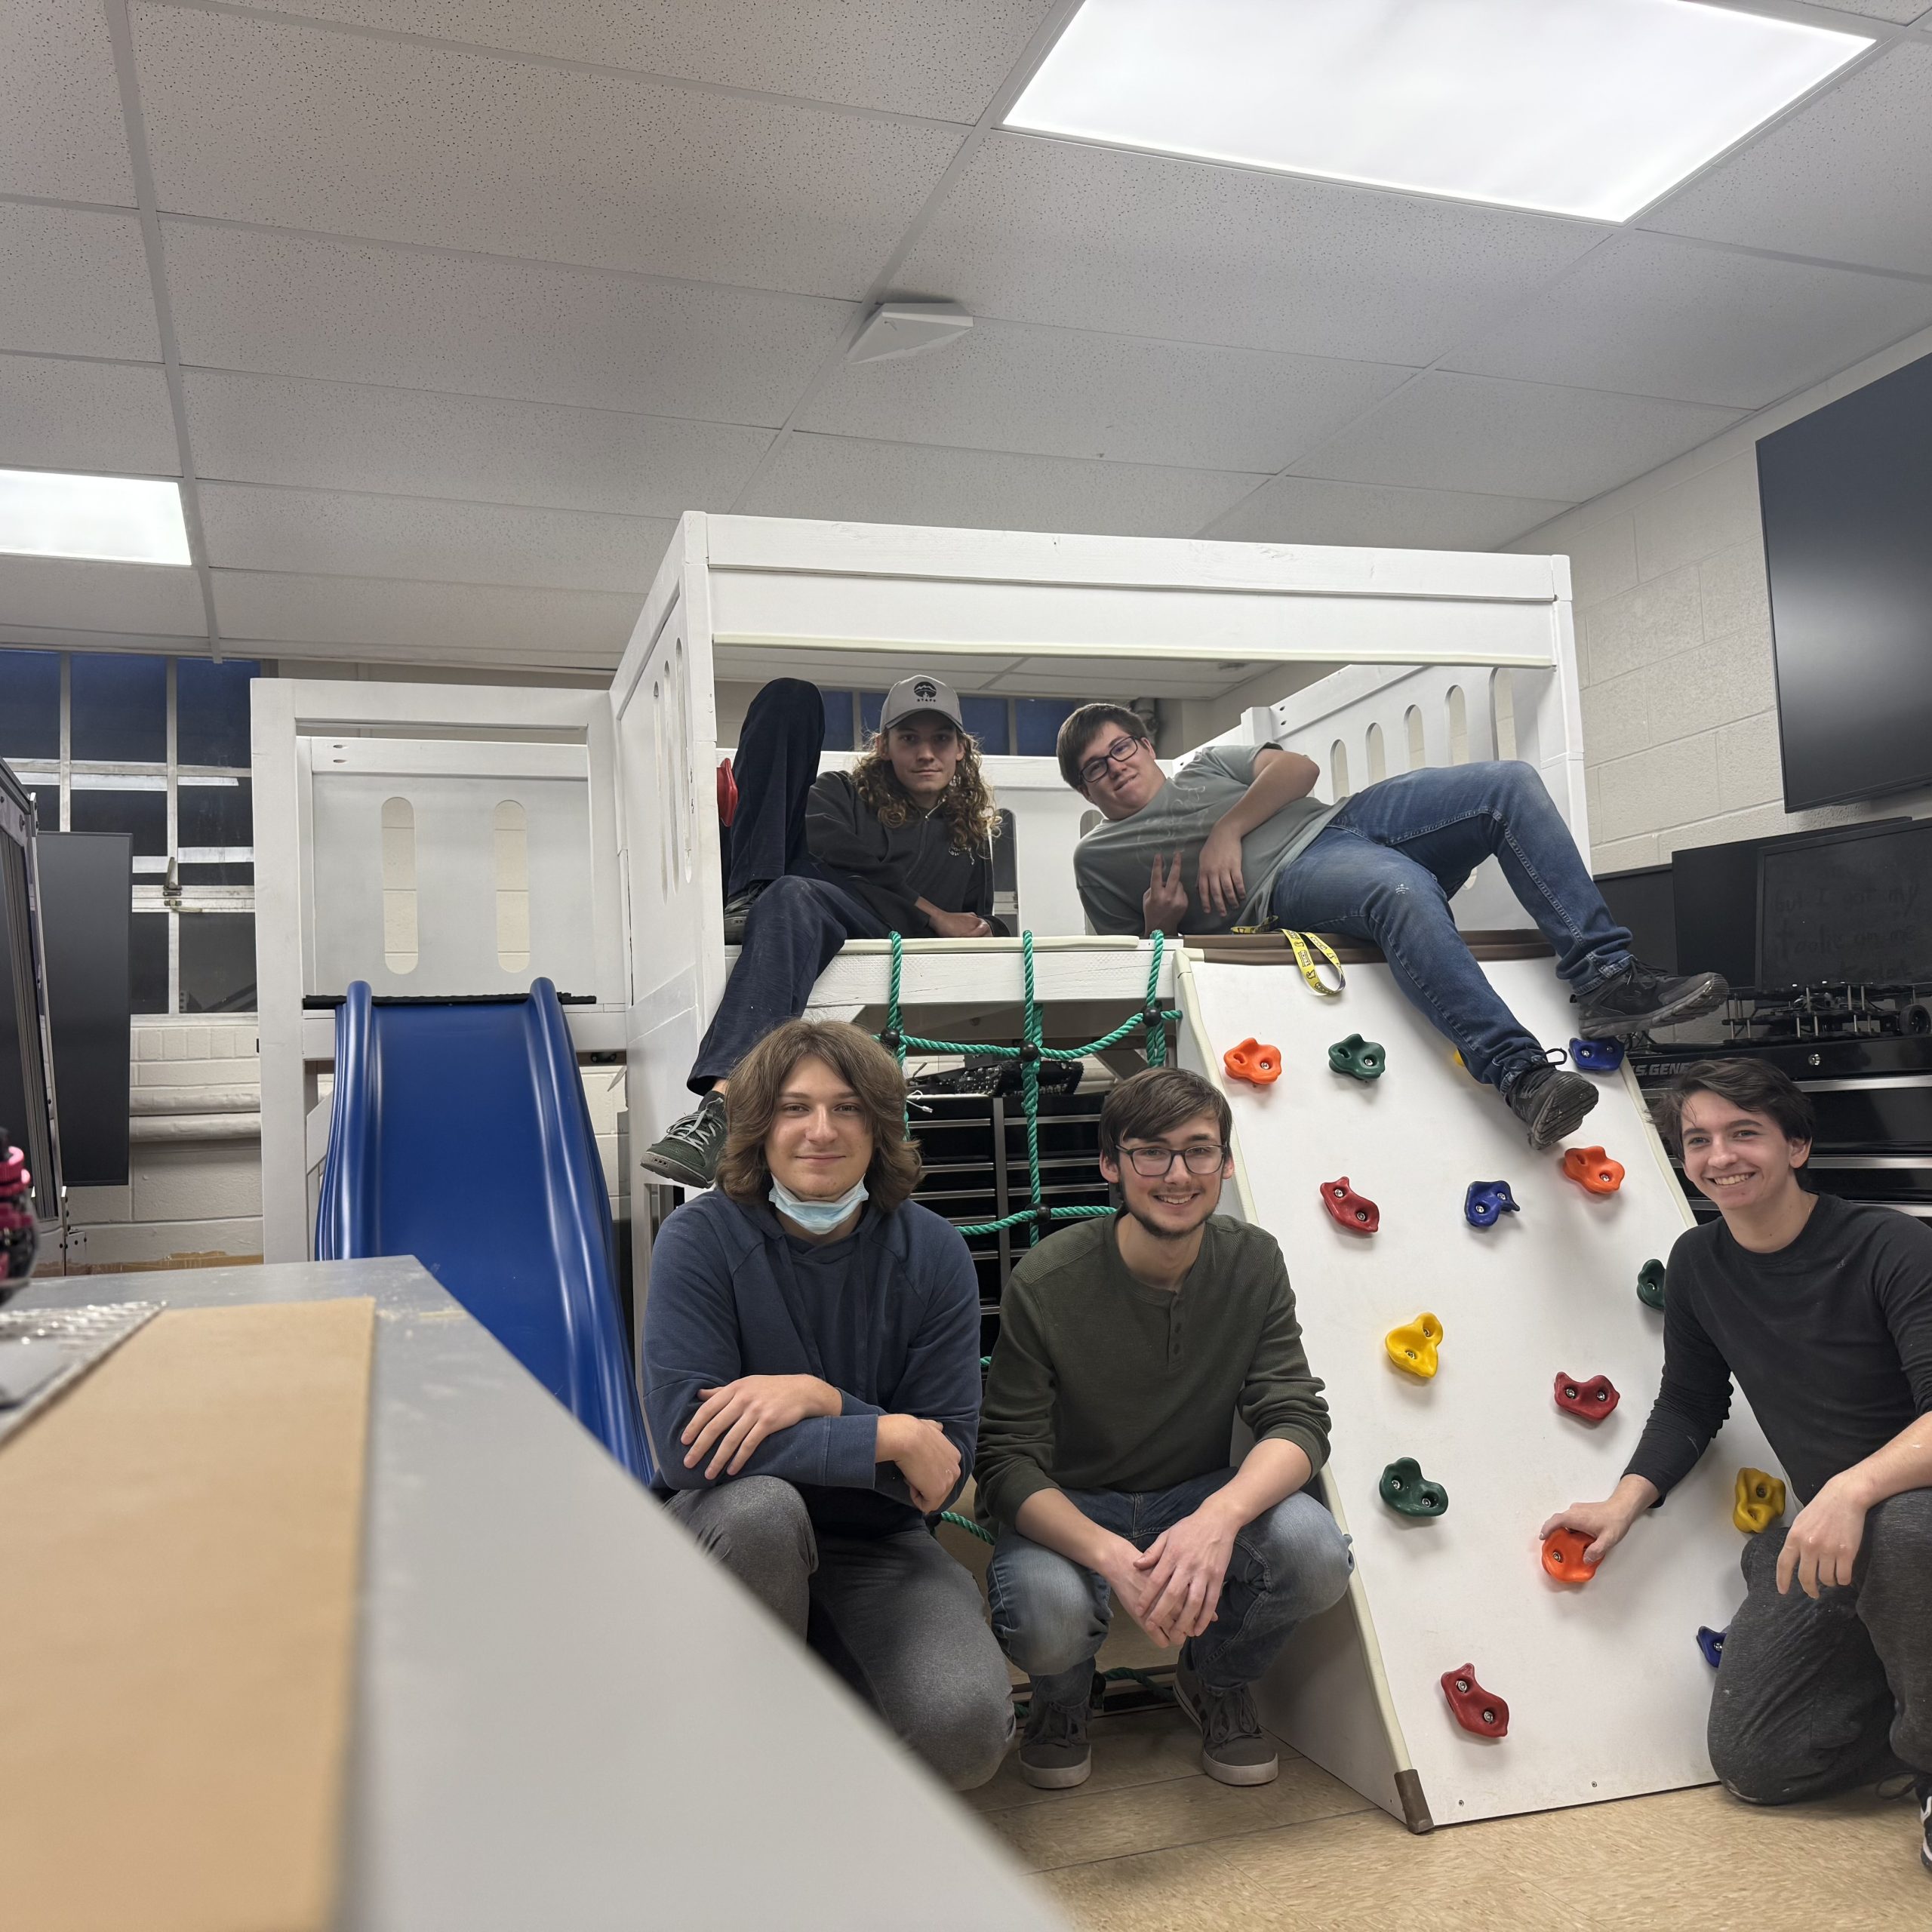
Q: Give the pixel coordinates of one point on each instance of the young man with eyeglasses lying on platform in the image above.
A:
(1822, 1310)
(811, 1389)
(1128, 1345)
(1237, 839)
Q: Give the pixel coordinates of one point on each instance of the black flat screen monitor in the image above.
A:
(1641, 899)
(1853, 906)
(1846, 499)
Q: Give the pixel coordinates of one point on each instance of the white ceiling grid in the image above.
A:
(470, 298)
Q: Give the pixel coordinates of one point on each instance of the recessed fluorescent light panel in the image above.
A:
(112, 519)
(1593, 108)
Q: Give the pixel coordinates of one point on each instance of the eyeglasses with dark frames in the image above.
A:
(1152, 1163)
(1118, 753)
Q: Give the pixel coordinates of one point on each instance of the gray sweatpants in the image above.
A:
(1814, 1696)
(895, 1616)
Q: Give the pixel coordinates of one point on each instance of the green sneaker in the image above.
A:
(688, 1155)
(1234, 1748)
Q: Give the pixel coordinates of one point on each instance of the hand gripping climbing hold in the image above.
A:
(1758, 1502)
(1592, 1400)
(1409, 1493)
(1359, 1059)
(1649, 1284)
(1596, 1056)
(1485, 1201)
(1475, 1708)
(1354, 1211)
(1711, 1642)
(1593, 1169)
(1253, 1063)
(1563, 1557)
(1413, 1347)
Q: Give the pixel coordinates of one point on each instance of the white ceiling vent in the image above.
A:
(908, 328)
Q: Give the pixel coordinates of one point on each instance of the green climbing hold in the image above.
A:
(1649, 1284)
(1359, 1059)
(1409, 1493)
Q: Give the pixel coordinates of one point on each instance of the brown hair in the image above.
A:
(1756, 1085)
(966, 804)
(1079, 726)
(1156, 1100)
(751, 1106)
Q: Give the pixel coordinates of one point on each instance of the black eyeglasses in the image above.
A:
(1118, 753)
(1151, 1163)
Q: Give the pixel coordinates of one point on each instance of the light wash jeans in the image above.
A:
(1051, 1616)
(1385, 868)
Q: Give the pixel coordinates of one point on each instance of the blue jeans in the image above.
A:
(1051, 1615)
(1385, 868)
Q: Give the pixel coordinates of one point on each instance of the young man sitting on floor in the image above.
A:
(1127, 1346)
(902, 843)
(1823, 1312)
(812, 1373)
(1236, 839)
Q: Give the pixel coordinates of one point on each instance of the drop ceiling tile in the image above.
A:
(61, 130)
(1048, 231)
(1903, 11)
(412, 442)
(1301, 509)
(255, 121)
(875, 482)
(1848, 178)
(347, 312)
(1513, 439)
(325, 533)
(425, 623)
(1009, 385)
(88, 416)
(943, 58)
(75, 283)
(1651, 317)
(62, 593)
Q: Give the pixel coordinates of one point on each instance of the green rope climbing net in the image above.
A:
(1150, 1021)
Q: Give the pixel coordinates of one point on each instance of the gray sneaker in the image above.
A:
(688, 1155)
(1053, 1754)
(1234, 1748)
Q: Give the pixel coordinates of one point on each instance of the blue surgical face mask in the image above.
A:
(816, 1217)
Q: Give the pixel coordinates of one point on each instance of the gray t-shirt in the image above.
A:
(1113, 861)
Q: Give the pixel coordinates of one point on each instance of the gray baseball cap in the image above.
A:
(911, 696)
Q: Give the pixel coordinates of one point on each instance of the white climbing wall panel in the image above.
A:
(1607, 1691)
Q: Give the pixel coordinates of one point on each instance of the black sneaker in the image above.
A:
(736, 907)
(1053, 1754)
(1640, 997)
(687, 1155)
(1234, 1748)
(1550, 1101)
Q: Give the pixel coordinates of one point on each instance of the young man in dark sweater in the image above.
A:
(812, 1373)
(1823, 1312)
(1127, 1347)
(902, 843)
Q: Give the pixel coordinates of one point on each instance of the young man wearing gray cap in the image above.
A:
(901, 843)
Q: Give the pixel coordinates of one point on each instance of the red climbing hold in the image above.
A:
(1593, 1169)
(1253, 1063)
(1355, 1212)
(727, 792)
(1563, 1556)
(1592, 1400)
(1476, 1709)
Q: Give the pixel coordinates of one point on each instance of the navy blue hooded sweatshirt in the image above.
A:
(889, 1316)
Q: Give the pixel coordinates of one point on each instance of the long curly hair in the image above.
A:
(966, 804)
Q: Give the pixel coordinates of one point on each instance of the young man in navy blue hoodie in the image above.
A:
(811, 1367)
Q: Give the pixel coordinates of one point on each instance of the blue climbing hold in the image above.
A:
(1485, 1201)
(1597, 1056)
(1711, 1642)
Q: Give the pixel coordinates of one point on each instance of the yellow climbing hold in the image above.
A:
(1759, 1501)
(1412, 1347)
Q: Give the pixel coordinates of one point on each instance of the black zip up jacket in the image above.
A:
(888, 868)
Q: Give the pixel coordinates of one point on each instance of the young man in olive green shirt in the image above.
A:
(1128, 1347)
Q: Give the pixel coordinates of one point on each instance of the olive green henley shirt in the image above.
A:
(1100, 1381)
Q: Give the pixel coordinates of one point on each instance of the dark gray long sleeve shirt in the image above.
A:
(891, 867)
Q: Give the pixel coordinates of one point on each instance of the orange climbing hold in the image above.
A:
(1593, 1169)
(1563, 1557)
(1412, 1347)
(1476, 1709)
(1759, 1501)
(1253, 1063)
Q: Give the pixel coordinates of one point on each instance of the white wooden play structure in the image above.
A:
(575, 835)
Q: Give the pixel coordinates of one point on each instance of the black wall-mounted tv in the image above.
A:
(1847, 498)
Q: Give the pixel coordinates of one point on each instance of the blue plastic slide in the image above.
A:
(459, 1135)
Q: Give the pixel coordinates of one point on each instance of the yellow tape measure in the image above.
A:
(1299, 943)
